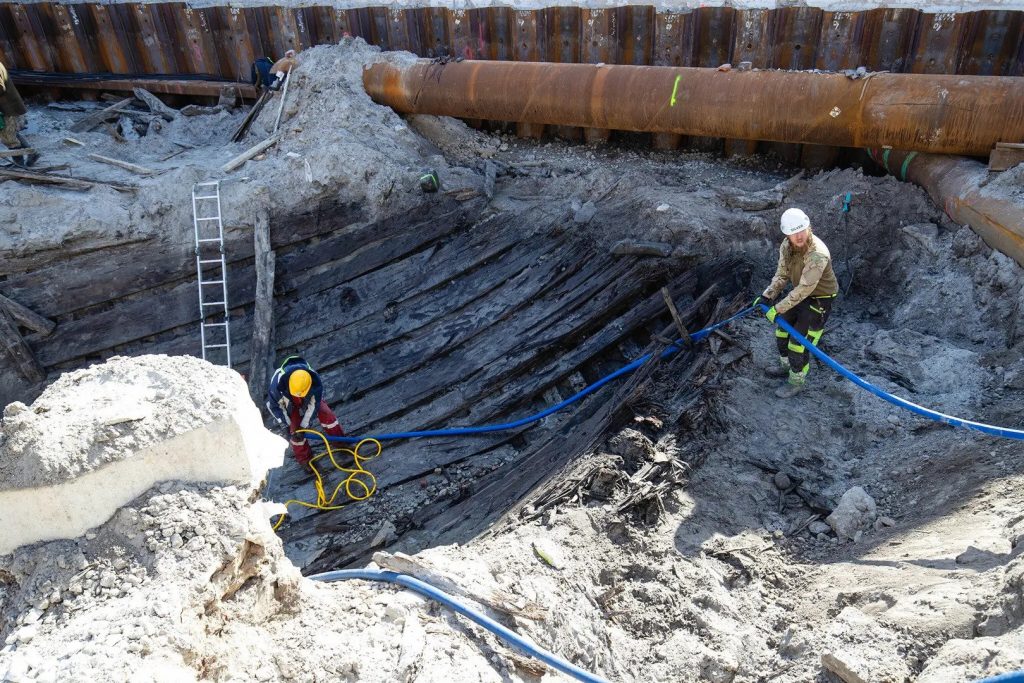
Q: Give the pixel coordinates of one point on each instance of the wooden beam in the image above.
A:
(17, 152)
(155, 105)
(134, 168)
(249, 154)
(26, 317)
(170, 86)
(263, 310)
(14, 344)
(93, 120)
(684, 334)
(1005, 156)
(67, 183)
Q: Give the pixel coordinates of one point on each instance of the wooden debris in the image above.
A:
(18, 152)
(155, 104)
(680, 327)
(134, 168)
(27, 317)
(246, 123)
(14, 344)
(284, 96)
(490, 176)
(249, 154)
(629, 247)
(199, 110)
(1005, 156)
(73, 141)
(93, 120)
(66, 183)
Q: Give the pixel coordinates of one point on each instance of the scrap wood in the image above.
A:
(155, 104)
(18, 152)
(26, 317)
(134, 168)
(93, 120)
(13, 173)
(249, 154)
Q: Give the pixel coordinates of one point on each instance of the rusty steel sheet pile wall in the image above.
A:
(221, 42)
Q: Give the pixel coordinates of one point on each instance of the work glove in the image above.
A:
(771, 314)
(766, 300)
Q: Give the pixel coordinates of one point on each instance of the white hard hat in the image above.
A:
(794, 221)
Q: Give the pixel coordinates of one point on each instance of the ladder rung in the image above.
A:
(211, 282)
(207, 183)
(216, 346)
(215, 324)
(212, 218)
(210, 239)
(206, 196)
(214, 303)
(211, 260)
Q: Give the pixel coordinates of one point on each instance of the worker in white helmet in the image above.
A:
(804, 262)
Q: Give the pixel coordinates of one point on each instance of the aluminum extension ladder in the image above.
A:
(212, 272)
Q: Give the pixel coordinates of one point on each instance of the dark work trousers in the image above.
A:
(808, 318)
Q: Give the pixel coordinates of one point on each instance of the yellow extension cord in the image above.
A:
(358, 476)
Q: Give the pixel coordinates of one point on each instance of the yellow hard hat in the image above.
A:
(299, 383)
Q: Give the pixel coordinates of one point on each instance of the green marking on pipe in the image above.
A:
(885, 159)
(675, 89)
(906, 164)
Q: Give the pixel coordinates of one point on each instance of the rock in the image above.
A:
(886, 521)
(744, 66)
(631, 445)
(176, 541)
(548, 552)
(585, 213)
(856, 511)
(782, 481)
(662, 208)
(858, 649)
(818, 527)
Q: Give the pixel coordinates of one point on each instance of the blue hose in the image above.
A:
(484, 429)
(895, 400)
(494, 627)
(1012, 677)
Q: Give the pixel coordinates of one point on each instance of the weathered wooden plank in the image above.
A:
(27, 317)
(237, 161)
(69, 284)
(142, 317)
(263, 310)
(155, 104)
(17, 349)
(92, 120)
(407, 354)
(597, 289)
(134, 168)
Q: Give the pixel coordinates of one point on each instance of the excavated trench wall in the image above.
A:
(66, 45)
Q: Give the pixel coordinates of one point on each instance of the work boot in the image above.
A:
(792, 387)
(779, 370)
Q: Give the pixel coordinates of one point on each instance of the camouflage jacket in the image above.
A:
(810, 272)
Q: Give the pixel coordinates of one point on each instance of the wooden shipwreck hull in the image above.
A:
(457, 316)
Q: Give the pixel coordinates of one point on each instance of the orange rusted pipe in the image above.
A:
(954, 184)
(933, 113)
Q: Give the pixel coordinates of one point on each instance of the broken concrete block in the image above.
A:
(856, 511)
(86, 447)
(860, 650)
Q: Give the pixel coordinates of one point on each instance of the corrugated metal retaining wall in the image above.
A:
(221, 42)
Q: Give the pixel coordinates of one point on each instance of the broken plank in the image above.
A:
(134, 168)
(45, 179)
(249, 154)
(93, 120)
(17, 152)
(27, 317)
(155, 104)
(18, 350)
(684, 335)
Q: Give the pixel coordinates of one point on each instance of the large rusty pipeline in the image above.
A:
(931, 113)
(954, 183)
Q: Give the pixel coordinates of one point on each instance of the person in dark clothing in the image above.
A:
(295, 397)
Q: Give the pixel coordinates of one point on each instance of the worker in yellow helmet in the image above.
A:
(295, 397)
(12, 114)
